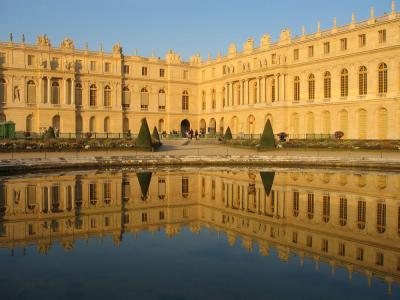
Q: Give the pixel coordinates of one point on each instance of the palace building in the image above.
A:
(346, 78)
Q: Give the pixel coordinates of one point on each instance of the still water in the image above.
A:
(200, 234)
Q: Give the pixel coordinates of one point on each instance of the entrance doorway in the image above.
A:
(185, 126)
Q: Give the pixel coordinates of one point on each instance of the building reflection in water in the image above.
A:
(348, 220)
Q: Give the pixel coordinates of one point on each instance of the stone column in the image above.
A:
(40, 91)
(246, 92)
(48, 90)
(232, 94)
(72, 91)
(258, 90)
(65, 95)
(241, 92)
(265, 89)
(277, 87)
(226, 93)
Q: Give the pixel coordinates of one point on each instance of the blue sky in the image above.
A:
(186, 26)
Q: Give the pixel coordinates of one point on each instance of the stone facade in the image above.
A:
(345, 79)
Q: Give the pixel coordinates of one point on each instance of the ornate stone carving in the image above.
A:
(43, 40)
(67, 43)
(117, 49)
(17, 96)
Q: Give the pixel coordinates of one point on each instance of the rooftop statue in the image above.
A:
(67, 43)
(117, 49)
(43, 40)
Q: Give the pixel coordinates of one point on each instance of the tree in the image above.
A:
(50, 134)
(228, 134)
(143, 140)
(267, 180)
(144, 179)
(267, 140)
(156, 136)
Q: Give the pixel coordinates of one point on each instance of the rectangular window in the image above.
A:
(162, 72)
(107, 192)
(309, 241)
(126, 219)
(107, 67)
(185, 186)
(126, 69)
(31, 59)
(185, 74)
(31, 229)
(162, 215)
(273, 59)
(379, 259)
(310, 51)
(362, 40)
(144, 217)
(327, 48)
(360, 254)
(92, 66)
(144, 71)
(325, 245)
(343, 44)
(342, 249)
(2, 58)
(93, 223)
(93, 193)
(382, 36)
(294, 237)
(107, 221)
(296, 54)
(55, 63)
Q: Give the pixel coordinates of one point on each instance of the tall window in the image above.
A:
(55, 93)
(107, 67)
(327, 48)
(273, 93)
(29, 123)
(144, 71)
(185, 100)
(362, 40)
(310, 206)
(343, 211)
(203, 100)
(382, 78)
(361, 213)
(92, 124)
(326, 208)
(93, 95)
(93, 193)
(327, 85)
(310, 51)
(162, 72)
(344, 83)
(381, 218)
(126, 69)
(78, 94)
(126, 97)
(362, 81)
(161, 100)
(106, 126)
(343, 44)
(382, 36)
(185, 186)
(296, 203)
(296, 89)
(213, 99)
(3, 90)
(144, 99)
(296, 54)
(107, 96)
(311, 87)
(31, 96)
(107, 192)
(92, 66)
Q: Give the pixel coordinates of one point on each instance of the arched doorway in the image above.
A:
(56, 123)
(251, 124)
(29, 123)
(203, 126)
(185, 126)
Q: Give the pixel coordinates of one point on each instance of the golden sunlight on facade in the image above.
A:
(346, 78)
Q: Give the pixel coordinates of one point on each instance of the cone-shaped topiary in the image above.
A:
(155, 135)
(267, 140)
(228, 134)
(144, 179)
(50, 134)
(267, 180)
(143, 140)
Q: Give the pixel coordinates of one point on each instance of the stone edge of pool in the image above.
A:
(9, 166)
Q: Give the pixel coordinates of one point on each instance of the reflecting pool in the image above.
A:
(200, 234)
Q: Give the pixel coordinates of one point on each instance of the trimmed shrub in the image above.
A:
(267, 180)
(228, 134)
(144, 179)
(267, 140)
(143, 140)
(50, 134)
(156, 136)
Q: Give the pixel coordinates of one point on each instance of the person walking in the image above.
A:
(196, 134)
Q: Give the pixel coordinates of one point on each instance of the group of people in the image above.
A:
(190, 134)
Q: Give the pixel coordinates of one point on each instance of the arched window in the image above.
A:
(382, 78)
(213, 99)
(362, 124)
(144, 99)
(125, 125)
(273, 91)
(311, 87)
(56, 123)
(93, 95)
(185, 100)
(126, 97)
(161, 100)
(327, 85)
(29, 123)
(106, 124)
(55, 93)
(203, 100)
(107, 96)
(3, 91)
(381, 218)
(382, 123)
(31, 92)
(326, 122)
(362, 81)
(78, 94)
(344, 83)
(296, 89)
(92, 124)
